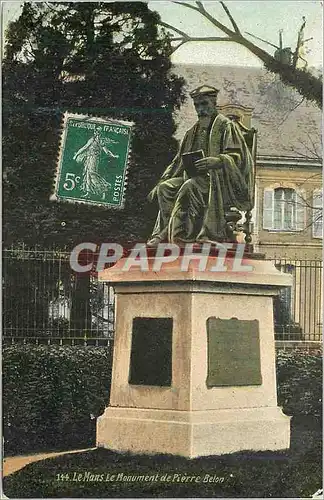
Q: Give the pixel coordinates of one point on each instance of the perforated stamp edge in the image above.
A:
(97, 119)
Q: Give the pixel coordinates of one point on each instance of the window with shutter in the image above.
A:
(268, 196)
(318, 213)
(284, 209)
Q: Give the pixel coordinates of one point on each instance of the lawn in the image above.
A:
(102, 473)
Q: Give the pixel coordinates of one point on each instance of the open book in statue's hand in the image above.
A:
(189, 159)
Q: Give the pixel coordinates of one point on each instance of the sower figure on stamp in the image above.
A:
(89, 154)
(193, 208)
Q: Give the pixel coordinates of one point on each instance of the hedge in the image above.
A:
(299, 383)
(52, 395)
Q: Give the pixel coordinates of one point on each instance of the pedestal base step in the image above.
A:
(193, 433)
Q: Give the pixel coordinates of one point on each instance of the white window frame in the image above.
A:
(298, 212)
(317, 205)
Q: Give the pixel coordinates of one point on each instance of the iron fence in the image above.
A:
(46, 302)
(298, 310)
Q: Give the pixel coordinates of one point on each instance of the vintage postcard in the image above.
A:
(162, 249)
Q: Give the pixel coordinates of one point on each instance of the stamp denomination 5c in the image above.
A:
(93, 160)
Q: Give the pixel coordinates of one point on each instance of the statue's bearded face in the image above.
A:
(205, 106)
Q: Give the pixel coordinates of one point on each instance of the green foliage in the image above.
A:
(53, 395)
(308, 85)
(103, 59)
(98, 58)
(299, 381)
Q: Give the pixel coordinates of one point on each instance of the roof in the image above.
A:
(287, 125)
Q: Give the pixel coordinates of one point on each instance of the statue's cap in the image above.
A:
(204, 90)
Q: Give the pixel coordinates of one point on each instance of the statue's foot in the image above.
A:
(153, 242)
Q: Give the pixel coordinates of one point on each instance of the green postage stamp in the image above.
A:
(93, 160)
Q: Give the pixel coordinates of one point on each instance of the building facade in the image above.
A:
(288, 211)
(287, 217)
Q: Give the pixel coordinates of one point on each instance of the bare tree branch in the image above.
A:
(176, 47)
(300, 42)
(201, 9)
(200, 5)
(311, 151)
(314, 146)
(315, 149)
(188, 5)
(202, 39)
(309, 85)
(261, 40)
(310, 177)
(187, 38)
(235, 26)
(182, 33)
(233, 35)
(303, 202)
(291, 110)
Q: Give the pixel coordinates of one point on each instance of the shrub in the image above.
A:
(52, 396)
(299, 383)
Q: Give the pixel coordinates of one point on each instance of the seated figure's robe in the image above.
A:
(193, 209)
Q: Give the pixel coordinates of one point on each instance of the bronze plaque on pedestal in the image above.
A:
(151, 354)
(233, 352)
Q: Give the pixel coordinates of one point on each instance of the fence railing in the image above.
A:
(298, 310)
(46, 302)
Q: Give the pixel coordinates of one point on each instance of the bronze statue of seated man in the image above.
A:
(193, 201)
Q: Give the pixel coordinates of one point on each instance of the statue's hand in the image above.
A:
(208, 163)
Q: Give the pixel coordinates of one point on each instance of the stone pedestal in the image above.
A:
(220, 393)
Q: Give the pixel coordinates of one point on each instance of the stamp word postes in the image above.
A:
(93, 161)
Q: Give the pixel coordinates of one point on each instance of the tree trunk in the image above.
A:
(80, 316)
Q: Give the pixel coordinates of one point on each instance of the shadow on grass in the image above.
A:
(293, 473)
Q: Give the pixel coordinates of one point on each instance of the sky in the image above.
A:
(262, 18)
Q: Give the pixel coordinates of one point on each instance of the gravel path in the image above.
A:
(13, 464)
